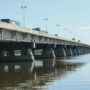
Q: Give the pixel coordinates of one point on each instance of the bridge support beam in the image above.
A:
(60, 52)
(27, 54)
(88, 50)
(38, 53)
(81, 51)
(85, 50)
(69, 51)
(78, 51)
(22, 55)
(74, 51)
(48, 53)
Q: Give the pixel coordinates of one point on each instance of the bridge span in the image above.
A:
(19, 43)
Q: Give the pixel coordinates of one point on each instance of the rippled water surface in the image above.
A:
(72, 73)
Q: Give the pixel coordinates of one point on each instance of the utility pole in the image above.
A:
(45, 20)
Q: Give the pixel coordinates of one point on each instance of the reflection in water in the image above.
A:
(49, 64)
(27, 76)
(12, 74)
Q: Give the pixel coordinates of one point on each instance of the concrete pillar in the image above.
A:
(68, 51)
(88, 50)
(71, 52)
(74, 51)
(81, 51)
(37, 53)
(64, 52)
(33, 45)
(78, 51)
(23, 52)
(85, 50)
(26, 55)
(48, 53)
(60, 52)
(29, 54)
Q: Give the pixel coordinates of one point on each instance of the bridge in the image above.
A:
(20, 43)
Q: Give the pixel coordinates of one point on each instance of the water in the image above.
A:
(71, 73)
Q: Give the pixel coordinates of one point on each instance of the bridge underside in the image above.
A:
(29, 51)
(19, 43)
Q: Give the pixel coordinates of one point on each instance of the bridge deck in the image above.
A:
(12, 27)
(11, 32)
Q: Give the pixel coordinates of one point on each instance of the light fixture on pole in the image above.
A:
(45, 20)
(23, 9)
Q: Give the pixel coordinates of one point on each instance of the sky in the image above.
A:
(73, 16)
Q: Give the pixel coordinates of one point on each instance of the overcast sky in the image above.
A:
(73, 16)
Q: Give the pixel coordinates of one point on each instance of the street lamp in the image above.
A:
(45, 20)
(23, 9)
(58, 25)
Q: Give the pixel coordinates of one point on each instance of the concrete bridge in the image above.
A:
(19, 43)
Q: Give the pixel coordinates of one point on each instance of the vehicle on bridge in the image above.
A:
(10, 21)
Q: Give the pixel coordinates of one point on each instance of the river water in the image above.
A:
(72, 73)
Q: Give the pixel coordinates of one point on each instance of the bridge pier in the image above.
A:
(60, 52)
(48, 53)
(16, 55)
(85, 51)
(38, 53)
(74, 51)
(88, 50)
(29, 54)
(78, 51)
(26, 54)
(81, 51)
(69, 51)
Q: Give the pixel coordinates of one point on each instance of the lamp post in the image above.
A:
(23, 10)
(45, 20)
(58, 25)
